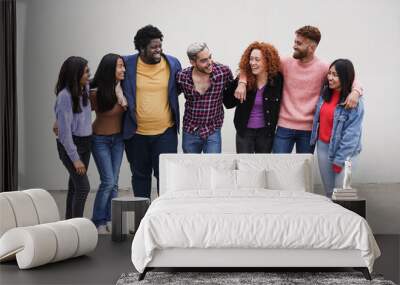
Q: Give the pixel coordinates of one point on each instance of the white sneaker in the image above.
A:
(102, 230)
(109, 227)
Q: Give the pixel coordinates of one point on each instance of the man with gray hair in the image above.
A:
(203, 84)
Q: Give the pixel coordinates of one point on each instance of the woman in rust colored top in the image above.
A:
(109, 103)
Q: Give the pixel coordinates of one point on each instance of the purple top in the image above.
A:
(72, 124)
(256, 119)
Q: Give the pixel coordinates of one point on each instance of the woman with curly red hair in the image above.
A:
(256, 118)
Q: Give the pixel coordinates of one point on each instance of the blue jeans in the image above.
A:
(107, 153)
(143, 153)
(193, 143)
(329, 178)
(286, 138)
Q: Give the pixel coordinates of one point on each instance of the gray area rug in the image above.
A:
(243, 278)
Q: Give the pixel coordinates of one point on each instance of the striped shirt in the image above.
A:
(204, 113)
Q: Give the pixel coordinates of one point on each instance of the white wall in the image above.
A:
(367, 32)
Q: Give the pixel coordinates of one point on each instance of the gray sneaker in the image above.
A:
(102, 230)
(109, 226)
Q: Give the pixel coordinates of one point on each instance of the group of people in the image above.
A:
(279, 103)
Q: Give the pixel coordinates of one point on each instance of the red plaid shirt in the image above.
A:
(204, 113)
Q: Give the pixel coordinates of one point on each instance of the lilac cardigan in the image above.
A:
(71, 124)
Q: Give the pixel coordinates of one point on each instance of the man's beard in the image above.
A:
(298, 54)
(151, 59)
(203, 70)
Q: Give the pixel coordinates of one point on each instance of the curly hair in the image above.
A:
(145, 35)
(272, 61)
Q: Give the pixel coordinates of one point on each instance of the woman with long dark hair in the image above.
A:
(337, 130)
(73, 117)
(256, 118)
(109, 103)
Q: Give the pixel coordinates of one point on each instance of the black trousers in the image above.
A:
(78, 185)
(254, 141)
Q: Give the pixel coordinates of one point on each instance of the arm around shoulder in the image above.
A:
(354, 96)
(357, 87)
(229, 99)
(279, 82)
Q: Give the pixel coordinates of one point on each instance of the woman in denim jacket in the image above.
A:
(336, 131)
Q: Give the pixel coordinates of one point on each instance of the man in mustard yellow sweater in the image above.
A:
(151, 122)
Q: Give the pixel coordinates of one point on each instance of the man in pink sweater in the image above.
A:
(303, 75)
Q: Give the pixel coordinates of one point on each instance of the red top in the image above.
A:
(326, 117)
